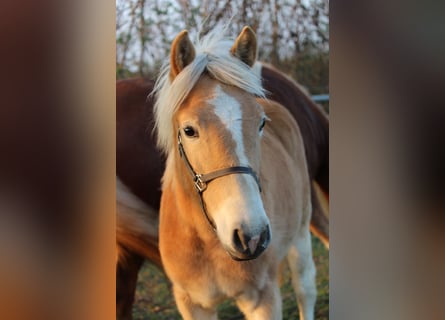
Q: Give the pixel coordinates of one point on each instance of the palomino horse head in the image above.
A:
(209, 93)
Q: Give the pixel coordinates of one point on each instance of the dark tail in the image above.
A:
(136, 227)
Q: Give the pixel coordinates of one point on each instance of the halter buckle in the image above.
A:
(199, 184)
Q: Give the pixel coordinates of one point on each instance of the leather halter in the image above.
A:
(201, 180)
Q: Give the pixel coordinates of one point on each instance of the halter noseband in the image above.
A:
(201, 180)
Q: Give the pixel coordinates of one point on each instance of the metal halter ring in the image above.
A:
(199, 184)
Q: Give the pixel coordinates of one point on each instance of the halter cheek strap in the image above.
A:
(201, 180)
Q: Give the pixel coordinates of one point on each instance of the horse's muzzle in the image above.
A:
(249, 247)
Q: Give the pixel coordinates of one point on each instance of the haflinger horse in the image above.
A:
(140, 166)
(236, 193)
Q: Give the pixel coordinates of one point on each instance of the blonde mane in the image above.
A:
(212, 56)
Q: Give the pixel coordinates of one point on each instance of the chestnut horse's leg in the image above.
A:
(190, 310)
(319, 220)
(303, 272)
(262, 305)
(126, 279)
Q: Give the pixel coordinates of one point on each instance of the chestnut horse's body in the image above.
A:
(140, 166)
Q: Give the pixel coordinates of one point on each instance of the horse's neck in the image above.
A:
(179, 183)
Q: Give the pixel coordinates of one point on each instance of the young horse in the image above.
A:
(236, 193)
(140, 165)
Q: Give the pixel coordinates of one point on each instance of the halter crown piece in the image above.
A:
(201, 180)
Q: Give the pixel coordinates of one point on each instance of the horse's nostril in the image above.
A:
(240, 240)
(248, 245)
(265, 237)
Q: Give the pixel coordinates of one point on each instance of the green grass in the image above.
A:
(154, 299)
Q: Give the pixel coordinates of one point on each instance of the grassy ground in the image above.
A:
(155, 301)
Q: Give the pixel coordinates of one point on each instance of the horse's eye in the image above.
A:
(263, 123)
(190, 132)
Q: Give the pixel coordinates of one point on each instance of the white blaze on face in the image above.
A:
(228, 109)
(242, 206)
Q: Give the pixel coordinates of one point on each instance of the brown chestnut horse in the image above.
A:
(140, 166)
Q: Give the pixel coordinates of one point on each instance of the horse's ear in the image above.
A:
(245, 46)
(182, 53)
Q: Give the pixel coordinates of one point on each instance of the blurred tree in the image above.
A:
(293, 35)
